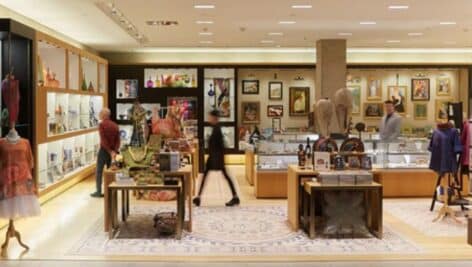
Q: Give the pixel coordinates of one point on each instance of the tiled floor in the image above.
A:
(67, 218)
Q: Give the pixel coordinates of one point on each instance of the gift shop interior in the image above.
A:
(208, 133)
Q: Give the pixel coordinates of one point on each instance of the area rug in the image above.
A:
(416, 214)
(240, 231)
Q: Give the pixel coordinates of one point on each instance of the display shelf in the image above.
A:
(102, 78)
(170, 78)
(51, 62)
(73, 66)
(89, 79)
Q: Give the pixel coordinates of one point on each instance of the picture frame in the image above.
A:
(276, 125)
(299, 102)
(275, 90)
(420, 111)
(356, 98)
(441, 109)
(250, 87)
(374, 88)
(398, 95)
(250, 112)
(126, 88)
(275, 110)
(420, 89)
(373, 110)
(443, 86)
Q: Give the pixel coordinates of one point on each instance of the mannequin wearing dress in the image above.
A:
(18, 196)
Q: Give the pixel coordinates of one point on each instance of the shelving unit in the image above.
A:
(71, 89)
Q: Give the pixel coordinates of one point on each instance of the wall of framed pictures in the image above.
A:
(282, 93)
(419, 95)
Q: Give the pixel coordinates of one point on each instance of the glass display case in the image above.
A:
(63, 158)
(406, 153)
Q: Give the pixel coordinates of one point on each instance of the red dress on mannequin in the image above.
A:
(11, 97)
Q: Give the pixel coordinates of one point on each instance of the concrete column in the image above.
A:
(330, 67)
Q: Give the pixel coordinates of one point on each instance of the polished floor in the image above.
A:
(65, 219)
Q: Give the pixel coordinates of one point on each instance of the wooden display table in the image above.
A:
(296, 175)
(112, 200)
(372, 202)
(250, 163)
(185, 173)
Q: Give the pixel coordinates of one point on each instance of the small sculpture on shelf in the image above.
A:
(301, 156)
(59, 118)
(138, 118)
(84, 84)
(90, 87)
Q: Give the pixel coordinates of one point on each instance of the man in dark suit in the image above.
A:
(216, 159)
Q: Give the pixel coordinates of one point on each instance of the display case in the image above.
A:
(70, 93)
(409, 153)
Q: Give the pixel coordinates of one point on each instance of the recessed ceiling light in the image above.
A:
(301, 6)
(398, 7)
(206, 42)
(367, 23)
(204, 22)
(267, 41)
(204, 6)
(415, 34)
(275, 33)
(447, 23)
(287, 22)
(345, 34)
(205, 33)
(393, 41)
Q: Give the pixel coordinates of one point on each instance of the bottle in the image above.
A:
(194, 81)
(308, 151)
(149, 83)
(157, 82)
(301, 156)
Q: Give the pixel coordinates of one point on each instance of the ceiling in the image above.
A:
(247, 23)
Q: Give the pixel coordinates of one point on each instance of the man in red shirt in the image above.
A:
(109, 146)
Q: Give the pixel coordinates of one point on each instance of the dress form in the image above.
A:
(12, 138)
(343, 103)
(324, 111)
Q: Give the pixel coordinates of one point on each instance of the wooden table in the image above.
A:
(295, 186)
(372, 201)
(185, 173)
(112, 200)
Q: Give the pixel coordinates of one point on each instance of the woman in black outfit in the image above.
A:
(216, 159)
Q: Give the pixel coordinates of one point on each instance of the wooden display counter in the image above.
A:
(270, 184)
(250, 163)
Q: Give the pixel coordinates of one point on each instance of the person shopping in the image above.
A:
(390, 124)
(109, 146)
(216, 159)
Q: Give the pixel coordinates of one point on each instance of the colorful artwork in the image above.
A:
(420, 90)
(222, 94)
(441, 109)
(443, 86)
(356, 98)
(397, 94)
(373, 110)
(250, 87)
(275, 110)
(420, 111)
(126, 89)
(299, 104)
(173, 78)
(251, 112)
(185, 108)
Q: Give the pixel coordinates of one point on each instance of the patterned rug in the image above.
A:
(240, 231)
(416, 214)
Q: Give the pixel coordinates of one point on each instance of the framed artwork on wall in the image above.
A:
(250, 87)
(222, 96)
(126, 89)
(374, 88)
(420, 90)
(251, 112)
(397, 94)
(373, 110)
(275, 110)
(420, 111)
(275, 90)
(441, 109)
(356, 98)
(299, 102)
(443, 86)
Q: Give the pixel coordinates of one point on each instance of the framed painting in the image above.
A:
(356, 98)
(397, 94)
(250, 87)
(374, 88)
(420, 111)
(373, 110)
(275, 90)
(420, 90)
(441, 109)
(443, 86)
(251, 112)
(299, 102)
(126, 89)
(222, 100)
(275, 110)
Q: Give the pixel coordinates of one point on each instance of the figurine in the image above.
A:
(138, 118)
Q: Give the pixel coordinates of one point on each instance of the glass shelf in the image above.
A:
(89, 75)
(51, 65)
(170, 78)
(73, 71)
(102, 75)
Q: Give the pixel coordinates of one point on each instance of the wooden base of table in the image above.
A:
(270, 184)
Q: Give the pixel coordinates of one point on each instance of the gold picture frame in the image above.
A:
(398, 95)
(420, 111)
(373, 110)
(374, 88)
(440, 109)
(443, 86)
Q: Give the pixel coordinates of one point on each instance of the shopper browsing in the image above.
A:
(391, 123)
(109, 146)
(216, 159)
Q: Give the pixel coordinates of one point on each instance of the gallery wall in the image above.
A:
(290, 77)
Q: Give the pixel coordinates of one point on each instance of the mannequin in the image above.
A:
(324, 111)
(343, 102)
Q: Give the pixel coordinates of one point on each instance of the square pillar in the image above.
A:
(330, 67)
